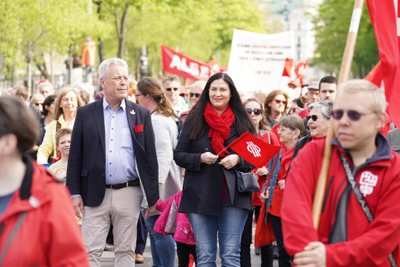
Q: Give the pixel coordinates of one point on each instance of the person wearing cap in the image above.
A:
(172, 89)
(312, 94)
(359, 223)
(393, 138)
(328, 88)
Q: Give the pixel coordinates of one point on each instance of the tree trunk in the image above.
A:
(43, 69)
(101, 44)
(121, 31)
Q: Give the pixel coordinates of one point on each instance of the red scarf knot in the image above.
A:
(220, 127)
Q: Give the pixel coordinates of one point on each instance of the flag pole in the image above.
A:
(343, 76)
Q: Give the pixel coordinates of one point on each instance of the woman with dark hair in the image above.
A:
(291, 129)
(210, 196)
(256, 113)
(49, 110)
(275, 105)
(151, 96)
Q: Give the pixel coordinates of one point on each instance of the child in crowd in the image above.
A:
(63, 142)
(173, 222)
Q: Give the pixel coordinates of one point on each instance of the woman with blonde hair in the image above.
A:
(151, 96)
(66, 104)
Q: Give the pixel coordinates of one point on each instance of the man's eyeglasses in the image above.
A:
(312, 117)
(137, 95)
(353, 115)
(169, 89)
(256, 111)
(280, 101)
(197, 95)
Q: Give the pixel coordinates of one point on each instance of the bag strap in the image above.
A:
(11, 237)
(361, 200)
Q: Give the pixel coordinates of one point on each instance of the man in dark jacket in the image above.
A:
(112, 158)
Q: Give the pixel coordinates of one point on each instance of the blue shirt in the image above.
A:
(120, 157)
(4, 201)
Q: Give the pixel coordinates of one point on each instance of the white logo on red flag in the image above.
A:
(253, 149)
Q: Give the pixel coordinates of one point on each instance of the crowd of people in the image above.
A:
(151, 157)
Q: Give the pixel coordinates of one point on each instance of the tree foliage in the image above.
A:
(39, 26)
(332, 25)
(199, 28)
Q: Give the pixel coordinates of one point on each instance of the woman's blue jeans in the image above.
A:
(228, 227)
(162, 246)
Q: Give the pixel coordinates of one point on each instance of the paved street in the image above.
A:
(108, 259)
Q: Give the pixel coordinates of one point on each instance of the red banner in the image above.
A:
(184, 66)
(253, 150)
(384, 17)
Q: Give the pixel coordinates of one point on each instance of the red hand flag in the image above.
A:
(384, 17)
(253, 150)
(288, 68)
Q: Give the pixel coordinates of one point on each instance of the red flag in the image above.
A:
(300, 69)
(184, 66)
(384, 16)
(253, 150)
(375, 75)
(288, 68)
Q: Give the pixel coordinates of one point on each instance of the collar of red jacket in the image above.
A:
(32, 193)
(381, 155)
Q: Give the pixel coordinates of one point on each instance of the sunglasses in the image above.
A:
(197, 95)
(169, 89)
(280, 101)
(353, 115)
(312, 117)
(256, 111)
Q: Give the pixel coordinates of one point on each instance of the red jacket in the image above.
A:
(368, 244)
(49, 234)
(272, 139)
(276, 204)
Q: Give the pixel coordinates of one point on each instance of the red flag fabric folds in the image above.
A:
(253, 150)
(384, 17)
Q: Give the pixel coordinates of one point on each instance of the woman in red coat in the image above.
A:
(291, 129)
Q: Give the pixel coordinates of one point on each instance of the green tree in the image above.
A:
(332, 26)
(42, 26)
(200, 29)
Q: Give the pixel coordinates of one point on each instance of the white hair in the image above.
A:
(374, 97)
(105, 65)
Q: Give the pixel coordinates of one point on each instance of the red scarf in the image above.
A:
(220, 127)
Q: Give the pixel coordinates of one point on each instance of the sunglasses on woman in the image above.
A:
(312, 117)
(197, 95)
(353, 115)
(169, 89)
(280, 101)
(256, 111)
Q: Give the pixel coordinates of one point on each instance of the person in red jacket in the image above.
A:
(291, 129)
(255, 110)
(346, 236)
(37, 222)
